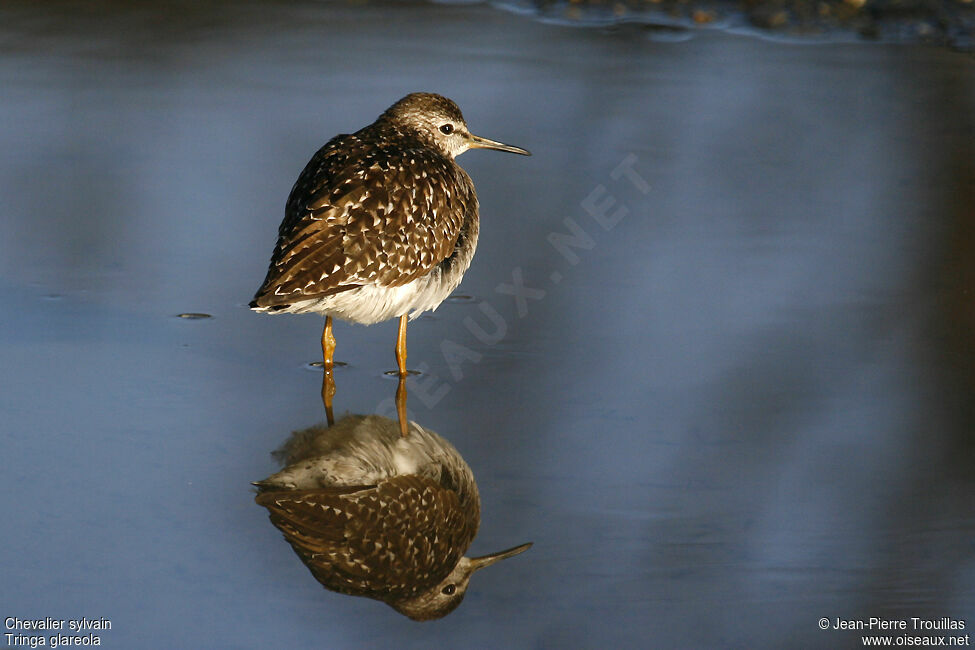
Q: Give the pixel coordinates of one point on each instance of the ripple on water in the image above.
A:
(319, 365)
(395, 373)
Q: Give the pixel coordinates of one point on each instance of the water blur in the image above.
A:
(717, 358)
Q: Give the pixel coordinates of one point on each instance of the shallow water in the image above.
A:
(739, 405)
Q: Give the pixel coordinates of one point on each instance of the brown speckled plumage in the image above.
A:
(389, 541)
(345, 219)
(381, 222)
(373, 514)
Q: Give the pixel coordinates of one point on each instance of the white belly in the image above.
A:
(373, 303)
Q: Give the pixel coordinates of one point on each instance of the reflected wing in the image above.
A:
(383, 542)
(361, 213)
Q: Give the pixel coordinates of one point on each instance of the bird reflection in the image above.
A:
(377, 514)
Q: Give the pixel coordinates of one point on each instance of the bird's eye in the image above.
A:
(447, 129)
(449, 589)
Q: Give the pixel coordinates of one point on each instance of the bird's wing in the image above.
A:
(396, 539)
(362, 213)
(310, 518)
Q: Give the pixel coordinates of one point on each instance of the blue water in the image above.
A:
(738, 406)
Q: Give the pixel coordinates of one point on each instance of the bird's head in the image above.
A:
(438, 121)
(440, 600)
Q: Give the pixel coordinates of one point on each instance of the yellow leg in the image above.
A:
(328, 381)
(328, 343)
(401, 405)
(401, 346)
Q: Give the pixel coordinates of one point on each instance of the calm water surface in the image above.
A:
(716, 362)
